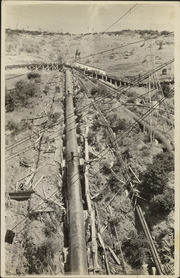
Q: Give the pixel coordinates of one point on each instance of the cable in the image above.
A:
(139, 80)
(129, 11)
(119, 19)
(130, 129)
(15, 76)
(29, 147)
(118, 90)
(107, 50)
(30, 136)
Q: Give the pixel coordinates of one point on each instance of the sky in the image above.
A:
(85, 17)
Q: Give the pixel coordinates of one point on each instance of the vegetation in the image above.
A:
(54, 117)
(155, 178)
(16, 127)
(20, 94)
(162, 203)
(166, 90)
(33, 75)
(133, 248)
(116, 123)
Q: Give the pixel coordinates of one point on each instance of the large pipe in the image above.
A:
(150, 240)
(77, 242)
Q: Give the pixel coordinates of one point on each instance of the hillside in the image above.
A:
(129, 60)
(35, 126)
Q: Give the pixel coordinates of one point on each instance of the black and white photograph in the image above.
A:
(89, 139)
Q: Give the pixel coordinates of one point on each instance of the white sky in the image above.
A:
(83, 17)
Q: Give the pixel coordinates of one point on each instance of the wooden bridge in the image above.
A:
(91, 72)
(38, 66)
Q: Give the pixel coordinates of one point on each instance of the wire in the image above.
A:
(102, 156)
(86, 107)
(16, 76)
(119, 19)
(107, 50)
(129, 11)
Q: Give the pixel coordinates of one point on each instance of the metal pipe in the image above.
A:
(150, 240)
(77, 242)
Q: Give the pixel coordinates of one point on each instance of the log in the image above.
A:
(38, 182)
(29, 180)
(114, 256)
(134, 174)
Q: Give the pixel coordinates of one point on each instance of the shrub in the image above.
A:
(9, 101)
(16, 127)
(19, 96)
(54, 117)
(164, 33)
(91, 138)
(30, 47)
(166, 90)
(94, 91)
(160, 45)
(46, 89)
(116, 123)
(155, 178)
(114, 221)
(113, 183)
(33, 75)
(60, 59)
(13, 126)
(131, 94)
(106, 168)
(133, 250)
(162, 203)
(24, 89)
(96, 125)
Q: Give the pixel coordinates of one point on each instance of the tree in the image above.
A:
(162, 203)
(160, 45)
(155, 178)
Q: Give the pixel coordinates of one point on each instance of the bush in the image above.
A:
(33, 75)
(133, 250)
(113, 183)
(54, 117)
(105, 169)
(24, 89)
(46, 89)
(19, 96)
(9, 101)
(162, 203)
(155, 178)
(164, 33)
(16, 127)
(166, 90)
(91, 138)
(160, 45)
(131, 94)
(116, 123)
(13, 126)
(30, 47)
(94, 91)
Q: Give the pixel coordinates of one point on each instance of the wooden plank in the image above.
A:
(33, 187)
(114, 256)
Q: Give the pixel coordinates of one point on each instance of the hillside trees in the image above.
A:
(20, 94)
